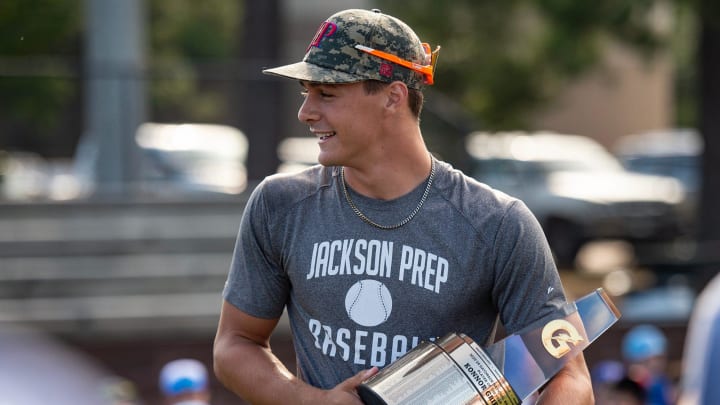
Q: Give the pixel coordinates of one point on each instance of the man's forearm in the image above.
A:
(571, 385)
(254, 373)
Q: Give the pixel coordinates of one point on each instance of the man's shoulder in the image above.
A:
(470, 194)
(291, 187)
(311, 178)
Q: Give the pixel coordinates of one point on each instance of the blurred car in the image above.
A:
(207, 157)
(178, 158)
(672, 152)
(577, 189)
(23, 175)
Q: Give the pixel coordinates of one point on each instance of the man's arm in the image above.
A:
(571, 385)
(245, 364)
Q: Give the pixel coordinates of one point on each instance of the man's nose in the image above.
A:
(307, 111)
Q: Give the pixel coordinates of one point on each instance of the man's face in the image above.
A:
(345, 120)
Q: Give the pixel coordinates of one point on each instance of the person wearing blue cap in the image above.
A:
(645, 352)
(185, 382)
(604, 375)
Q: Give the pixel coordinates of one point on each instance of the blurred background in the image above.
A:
(133, 131)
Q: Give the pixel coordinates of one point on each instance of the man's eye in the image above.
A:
(326, 95)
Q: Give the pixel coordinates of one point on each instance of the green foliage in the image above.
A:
(41, 56)
(47, 31)
(503, 58)
(194, 29)
(500, 59)
(684, 51)
(184, 35)
(45, 27)
(37, 101)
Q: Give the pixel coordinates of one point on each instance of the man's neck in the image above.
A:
(390, 178)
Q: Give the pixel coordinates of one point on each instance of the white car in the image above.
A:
(176, 158)
(577, 189)
(675, 152)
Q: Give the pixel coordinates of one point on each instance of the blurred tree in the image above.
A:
(191, 56)
(502, 59)
(192, 50)
(39, 59)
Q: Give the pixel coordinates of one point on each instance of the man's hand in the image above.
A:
(346, 391)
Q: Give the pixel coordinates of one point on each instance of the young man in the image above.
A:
(382, 245)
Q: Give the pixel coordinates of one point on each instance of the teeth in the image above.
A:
(326, 135)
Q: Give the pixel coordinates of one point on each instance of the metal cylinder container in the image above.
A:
(451, 370)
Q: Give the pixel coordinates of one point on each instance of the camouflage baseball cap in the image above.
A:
(356, 45)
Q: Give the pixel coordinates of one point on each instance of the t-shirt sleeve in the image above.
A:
(528, 287)
(256, 282)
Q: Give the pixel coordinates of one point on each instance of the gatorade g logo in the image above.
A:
(558, 335)
(326, 29)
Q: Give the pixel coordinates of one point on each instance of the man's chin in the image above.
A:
(326, 160)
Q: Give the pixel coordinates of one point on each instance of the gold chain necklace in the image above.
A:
(404, 221)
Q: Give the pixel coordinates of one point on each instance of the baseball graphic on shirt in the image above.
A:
(368, 303)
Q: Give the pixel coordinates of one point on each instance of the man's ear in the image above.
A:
(397, 94)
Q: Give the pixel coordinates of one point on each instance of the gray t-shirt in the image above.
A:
(358, 296)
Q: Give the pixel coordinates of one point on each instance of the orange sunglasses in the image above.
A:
(426, 70)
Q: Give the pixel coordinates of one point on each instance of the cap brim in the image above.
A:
(312, 73)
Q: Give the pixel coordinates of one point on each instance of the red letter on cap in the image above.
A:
(326, 29)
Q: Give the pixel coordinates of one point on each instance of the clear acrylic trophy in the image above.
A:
(456, 370)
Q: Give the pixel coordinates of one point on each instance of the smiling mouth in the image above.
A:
(325, 135)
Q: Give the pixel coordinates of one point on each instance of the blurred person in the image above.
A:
(625, 391)
(701, 357)
(604, 375)
(37, 369)
(120, 391)
(185, 382)
(380, 246)
(645, 353)
(613, 386)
